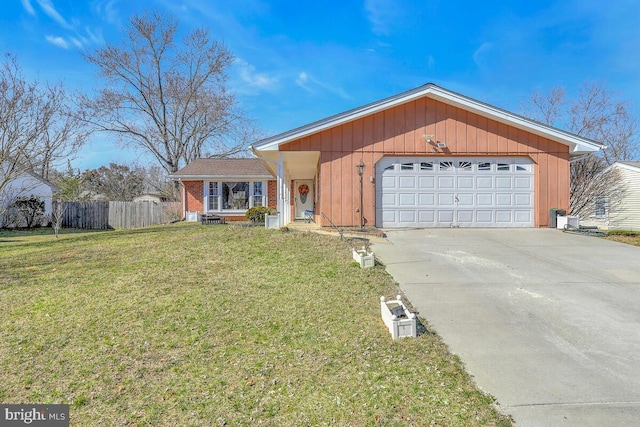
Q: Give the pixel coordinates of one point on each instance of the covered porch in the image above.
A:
(297, 183)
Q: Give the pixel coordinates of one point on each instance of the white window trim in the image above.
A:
(265, 190)
(601, 200)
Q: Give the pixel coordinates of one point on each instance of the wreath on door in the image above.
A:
(303, 190)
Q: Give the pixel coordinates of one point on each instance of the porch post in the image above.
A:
(281, 188)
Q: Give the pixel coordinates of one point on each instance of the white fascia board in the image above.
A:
(626, 166)
(274, 142)
(576, 143)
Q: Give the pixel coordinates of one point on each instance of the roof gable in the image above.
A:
(27, 174)
(632, 166)
(223, 168)
(577, 144)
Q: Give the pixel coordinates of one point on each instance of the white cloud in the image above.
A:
(381, 13)
(249, 76)
(108, 9)
(52, 13)
(58, 41)
(308, 83)
(481, 52)
(78, 42)
(95, 36)
(302, 80)
(28, 7)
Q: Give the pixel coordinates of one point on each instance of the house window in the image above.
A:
(406, 167)
(484, 166)
(214, 199)
(257, 194)
(235, 196)
(504, 166)
(601, 207)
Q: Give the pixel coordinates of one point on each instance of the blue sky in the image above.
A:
(300, 61)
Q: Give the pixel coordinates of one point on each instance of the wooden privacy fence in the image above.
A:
(106, 215)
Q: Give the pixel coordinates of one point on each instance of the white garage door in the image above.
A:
(452, 192)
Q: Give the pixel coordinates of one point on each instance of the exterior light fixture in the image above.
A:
(360, 170)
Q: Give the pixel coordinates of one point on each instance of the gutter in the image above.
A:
(255, 153)
(584, 156)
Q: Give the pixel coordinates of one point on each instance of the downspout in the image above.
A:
(184, 199)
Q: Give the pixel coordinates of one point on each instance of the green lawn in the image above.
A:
(216, 325)
(623, 236)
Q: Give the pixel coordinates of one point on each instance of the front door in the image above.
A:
(303, 195)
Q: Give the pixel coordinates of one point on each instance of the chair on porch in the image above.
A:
(309, 216)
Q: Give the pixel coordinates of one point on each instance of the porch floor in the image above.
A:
(303, 225)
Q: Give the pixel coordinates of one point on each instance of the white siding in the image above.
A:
(627, 214)
(24, 186)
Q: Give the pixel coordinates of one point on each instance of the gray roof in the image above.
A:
(223, 168)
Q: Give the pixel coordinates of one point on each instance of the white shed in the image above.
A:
(25, 185)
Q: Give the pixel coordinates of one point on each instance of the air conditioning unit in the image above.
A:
(568, 222)
(192, 216)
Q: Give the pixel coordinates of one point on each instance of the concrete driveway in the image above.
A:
(547, 322)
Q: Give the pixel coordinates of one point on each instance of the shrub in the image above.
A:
(623, 233)
(257, 213)
(25, 212)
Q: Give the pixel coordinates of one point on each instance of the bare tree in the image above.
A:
(57, 215)
(18, 128)
(156, 179)
(597, 114)
(65, 132)
(169, 96)
(593, 184)
(37, 130)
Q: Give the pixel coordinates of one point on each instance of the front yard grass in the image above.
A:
(628, 237)
(196, 325)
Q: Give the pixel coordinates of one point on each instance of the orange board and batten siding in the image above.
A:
(399, 131)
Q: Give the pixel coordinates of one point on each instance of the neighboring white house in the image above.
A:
(626, 216)
(24, 185)
(153, 197)
(624, 213)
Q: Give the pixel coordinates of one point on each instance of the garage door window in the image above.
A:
(426, 166)
(464, 166)
(463, 191)
(446, 166)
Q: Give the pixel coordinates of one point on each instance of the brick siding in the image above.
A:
(194, 195)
